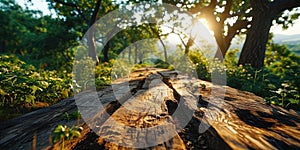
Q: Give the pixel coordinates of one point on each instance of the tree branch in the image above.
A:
(282, 5)
(203, 9)
(95, 13)
(226, 14)
(235, 29)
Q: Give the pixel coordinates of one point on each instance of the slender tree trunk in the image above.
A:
(253, 52)
(91, 37)
(92, 45)
(189, 43)
(162, 43)
(105, 52)
(141, 56)
(166, 54)
(135, 54)
(165, 49)
(129, 54)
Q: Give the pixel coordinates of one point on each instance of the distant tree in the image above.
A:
(40, 40)
(16, 25)
(81, 15)
(125, 38)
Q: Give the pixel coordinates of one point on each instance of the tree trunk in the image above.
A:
(105, 52)
(223, 46)
(189, 43)
(263, 13)
(129, 54)
(165, 53)
(253, 52)
(92, 45)
(164, 46)
(135, 54)
(91, 37)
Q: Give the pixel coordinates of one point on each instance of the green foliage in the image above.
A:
(63, 132)
(83, 74)
(248, 79)
(203, 86)
(277, 82)
(72, 116)
(162, 64)
(201, 65)
(42, 41)
(285, 65)
(103, 74)
(22, 83)
(43, 53)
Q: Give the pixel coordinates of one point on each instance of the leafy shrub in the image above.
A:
(201, 65)
(278, 82)
(72, 116)
(63, 132)
(22, 83)
(284, 64)
(83, 74)
(103, 74)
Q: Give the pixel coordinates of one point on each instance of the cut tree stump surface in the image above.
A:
(197, 117)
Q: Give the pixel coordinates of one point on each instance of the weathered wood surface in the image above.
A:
(236, 120)
(242, 119)
(131, 123)
(18, 133)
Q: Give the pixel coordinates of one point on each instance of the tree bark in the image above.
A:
(189, 43)
(165, 49)
(223, 45)
(161, 41)
(129, 54)
(253, 51)
(135, 54)
(263, 13)
(92, 45)
(105, 52)
(91, 37)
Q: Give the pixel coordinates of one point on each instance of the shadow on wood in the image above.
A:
(240, 121)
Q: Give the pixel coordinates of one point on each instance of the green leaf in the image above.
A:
(45, 84)
(34, 88)
(2, 92)
(58, 129)
(30, 98)
(76, 134)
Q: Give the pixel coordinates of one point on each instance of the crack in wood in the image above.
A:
(243, 122)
